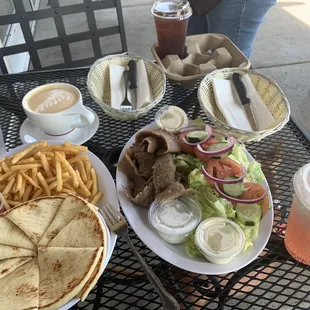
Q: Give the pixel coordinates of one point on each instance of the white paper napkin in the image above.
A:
(229, 104)
(144, 92)
(117, 86)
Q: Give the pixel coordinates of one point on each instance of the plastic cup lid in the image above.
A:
(302, 185)
(169, 9)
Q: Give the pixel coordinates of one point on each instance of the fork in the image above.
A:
(126, 105)
(118, 224)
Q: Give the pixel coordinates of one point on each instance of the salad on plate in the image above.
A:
(200, 189)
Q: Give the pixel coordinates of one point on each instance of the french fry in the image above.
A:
(26, 151)
(45, 165)
(13, 175)
(68, 186)
(66, 150)
(0, 169)
(82, 171)
(29, 160)
(6, 175)
(89, 184)
(34, 172)
(5, 204)
(23, 188)
(25, 167)
(43, 183)
(67, 143)
(59, 180)
(87, 168)
(68, 191)
(3, 159)
(2, 187)
(5, 167)
(37, 193)
(96, 198)
(50, 180)
(30, 180)
(12, 203)
(28, 189)
(55, 184)
(19, 182)
(65, 163)
(8, 187)
(82, 186)
(77, 158)
(95, 185)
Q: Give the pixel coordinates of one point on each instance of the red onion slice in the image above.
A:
(222, 181)
(230, 140)
(185, 131)
(238, 200)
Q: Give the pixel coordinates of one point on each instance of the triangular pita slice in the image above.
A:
(35, 216)
(10, 234)
(19, 289)
(84, 231)
(96, 273)
(10, 264)
(70, 208)
(7, 251)
(63, 273)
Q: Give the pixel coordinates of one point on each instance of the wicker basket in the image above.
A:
(269, 91)
(98, 83)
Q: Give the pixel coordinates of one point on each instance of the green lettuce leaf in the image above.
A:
(255, 173)
(186, 163)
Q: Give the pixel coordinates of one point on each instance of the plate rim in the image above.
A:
(171, 256)
(111, 236)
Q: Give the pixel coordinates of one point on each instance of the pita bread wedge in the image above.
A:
(19, 289)
(7, 251)
(70, 208)
(63, 272)
(14, 236)
(84, 231)
(10, 264)
(34, 217)
(96, 273)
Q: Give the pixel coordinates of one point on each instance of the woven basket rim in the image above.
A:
(211, 75)
(129, 56)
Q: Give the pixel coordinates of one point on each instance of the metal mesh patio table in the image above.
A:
(272, 281)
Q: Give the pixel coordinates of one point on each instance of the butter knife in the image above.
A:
(132, 75)
(246, 102)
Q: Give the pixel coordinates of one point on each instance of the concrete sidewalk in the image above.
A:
(282, 47)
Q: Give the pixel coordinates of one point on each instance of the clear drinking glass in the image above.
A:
(297, 235)
(2, 145)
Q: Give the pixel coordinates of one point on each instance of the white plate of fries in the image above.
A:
(49, 168)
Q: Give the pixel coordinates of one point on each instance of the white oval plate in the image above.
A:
(105, 185)
(176, 254)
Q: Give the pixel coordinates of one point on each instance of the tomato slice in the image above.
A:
(186, 148)
(209, 143)
(234, 168)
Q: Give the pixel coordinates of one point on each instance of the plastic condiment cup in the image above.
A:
(219, 239)
(297, 235)
(175, 220)
(171, 118)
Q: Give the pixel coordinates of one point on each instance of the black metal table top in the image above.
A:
(273, 281)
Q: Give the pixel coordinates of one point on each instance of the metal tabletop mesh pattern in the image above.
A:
(272, 281)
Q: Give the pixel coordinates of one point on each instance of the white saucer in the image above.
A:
(76, 136)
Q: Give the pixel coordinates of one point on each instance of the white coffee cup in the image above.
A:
(62, 122)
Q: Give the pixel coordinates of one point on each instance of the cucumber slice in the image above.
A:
(249, 213)
(196, 136)
(233, 190)
(217, 147)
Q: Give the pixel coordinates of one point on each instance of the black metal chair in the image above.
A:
(62, 40)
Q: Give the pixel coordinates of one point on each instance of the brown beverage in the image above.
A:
(171, 20)
(51, 99)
